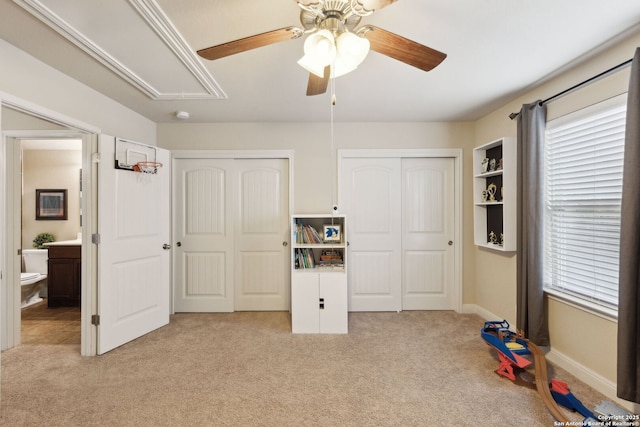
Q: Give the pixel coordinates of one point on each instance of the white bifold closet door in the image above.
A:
(230, 234)
(401, 226)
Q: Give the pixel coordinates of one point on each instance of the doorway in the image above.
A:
(22, 120)
(50, 308)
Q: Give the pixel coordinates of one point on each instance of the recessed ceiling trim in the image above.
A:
(163, 28)
(162, 25)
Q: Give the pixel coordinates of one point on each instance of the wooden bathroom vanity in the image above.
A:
(64, 277)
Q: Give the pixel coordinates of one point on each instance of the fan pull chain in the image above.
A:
(332, 156)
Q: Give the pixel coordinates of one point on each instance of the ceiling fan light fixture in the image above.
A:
(351, 51)
(352, 48)
(319, 51)
(340, 67)
(321, 46)
(311, 65)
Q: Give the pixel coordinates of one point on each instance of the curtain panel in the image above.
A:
(628, 292)
(531, 315)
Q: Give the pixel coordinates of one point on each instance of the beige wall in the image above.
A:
(314, 162)
(585, 341)
(50, 169)
(30, 80)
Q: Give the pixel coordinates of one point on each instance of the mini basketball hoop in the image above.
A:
(147, 167)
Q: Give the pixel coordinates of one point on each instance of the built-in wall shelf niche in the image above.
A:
(495, 195)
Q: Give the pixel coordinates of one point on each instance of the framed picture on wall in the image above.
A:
(51, 204)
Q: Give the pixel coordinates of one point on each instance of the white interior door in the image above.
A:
(262, 235)
(370, 196)
(133, 268)
(427, 229)
(203, 235)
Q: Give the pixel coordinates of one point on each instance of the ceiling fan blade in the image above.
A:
(248, 43)
(371, 5)
(318, 85)
(402, 49)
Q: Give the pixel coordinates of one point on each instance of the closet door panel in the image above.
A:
(427, 228)
(369, 189)
(261, 259)
(203, 224)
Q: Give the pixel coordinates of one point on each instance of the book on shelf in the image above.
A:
(304, 258)
(306, 234)
(331, 256)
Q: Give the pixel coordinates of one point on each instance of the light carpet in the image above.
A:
(248, 369)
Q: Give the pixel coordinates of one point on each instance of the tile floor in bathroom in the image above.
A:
(44, 325)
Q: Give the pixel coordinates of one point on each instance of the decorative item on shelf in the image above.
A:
(330, 257)
(492, 165)
(485, 165)
(332, 233)
(484, 195)
(491, 191)
(492, 237)
(501, 239)
(500, 164)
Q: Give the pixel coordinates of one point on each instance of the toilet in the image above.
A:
(34, 279)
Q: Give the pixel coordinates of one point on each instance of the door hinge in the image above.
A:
(19, 251)
(95, 238)
(95, 319)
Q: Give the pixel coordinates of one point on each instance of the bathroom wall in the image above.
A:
(50, 165)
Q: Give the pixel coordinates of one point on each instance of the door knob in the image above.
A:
(166, 247)
(450, 242)
(179, 244)
(284, 243)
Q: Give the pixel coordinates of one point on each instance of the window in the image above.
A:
(583, 190)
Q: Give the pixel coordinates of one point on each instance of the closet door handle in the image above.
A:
(285, 243)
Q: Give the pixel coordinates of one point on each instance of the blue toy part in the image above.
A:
(562, 395)
(497, 335)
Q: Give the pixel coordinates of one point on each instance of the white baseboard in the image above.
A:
(480, 311)
(589, 377)
(584, 374)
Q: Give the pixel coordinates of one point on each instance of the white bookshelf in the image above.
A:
(318, 274)
(495, 214)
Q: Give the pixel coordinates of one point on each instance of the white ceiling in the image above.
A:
(142, 54)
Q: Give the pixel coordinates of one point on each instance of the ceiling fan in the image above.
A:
(335, 46)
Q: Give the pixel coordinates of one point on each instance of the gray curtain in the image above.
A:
(629, 293)
(531, 316)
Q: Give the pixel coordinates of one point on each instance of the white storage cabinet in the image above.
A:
(318, 274)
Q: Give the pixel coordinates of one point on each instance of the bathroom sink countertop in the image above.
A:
(76, 242)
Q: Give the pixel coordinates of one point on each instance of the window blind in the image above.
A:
(583, 191)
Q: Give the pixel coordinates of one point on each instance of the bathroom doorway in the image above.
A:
(51, 222)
